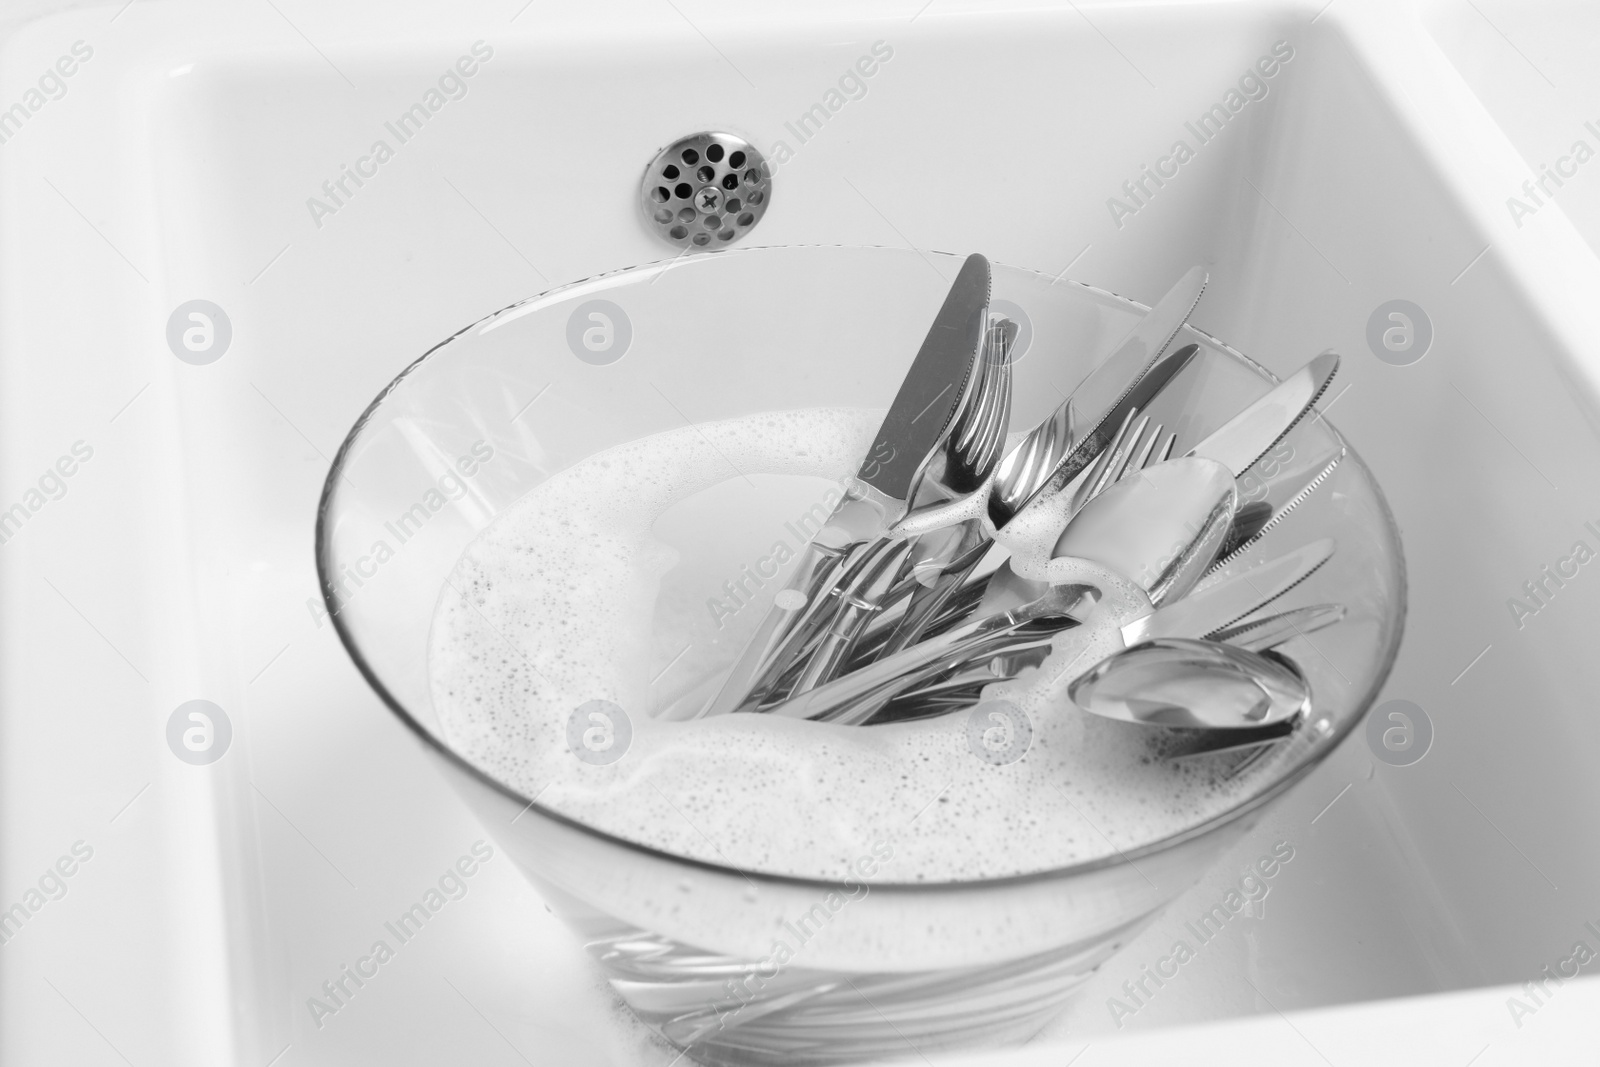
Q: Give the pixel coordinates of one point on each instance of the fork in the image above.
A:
(1118, 460)
(1136, 446)
(883, 575)
(965, 544)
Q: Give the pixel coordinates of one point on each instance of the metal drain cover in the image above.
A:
(706, 190)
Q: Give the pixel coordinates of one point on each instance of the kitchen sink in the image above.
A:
(223, 162)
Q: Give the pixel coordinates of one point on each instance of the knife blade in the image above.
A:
(1258, 635)
(1283, 495)
(1231, 598)
(1101, 398)
(912, 431)
(1251, 434)
(924, 409)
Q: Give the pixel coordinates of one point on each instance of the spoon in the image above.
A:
(1009, 603)
(1164, 524)
(1195, 685)
(1161, 527)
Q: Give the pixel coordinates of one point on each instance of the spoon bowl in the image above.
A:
(1202, 685)
(1162, 527)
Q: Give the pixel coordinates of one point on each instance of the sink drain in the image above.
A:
(706, 190)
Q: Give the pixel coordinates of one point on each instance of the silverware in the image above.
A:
(968, 459)
(926, 611)
(1201, 685)
(1227, 600)
(1134, 514)
(915, 427)
(1246, 745)
(979, 435)
(1009, 603)
(939, 573)
(1101, 402)
(1251, 434)
(961, 686)
(1258, 635)
(1237, 445)
(1161, 528)
(1281, 498)
(1212, 612)
(1126, 454)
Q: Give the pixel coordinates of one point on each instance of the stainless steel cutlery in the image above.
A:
(915, 429)
(1098, 406)
(903, 606)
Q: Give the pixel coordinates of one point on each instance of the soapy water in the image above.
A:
(552, 608)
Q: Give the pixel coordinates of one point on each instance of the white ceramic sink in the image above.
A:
(176, 162)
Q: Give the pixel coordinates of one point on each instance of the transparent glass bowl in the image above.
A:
(689, 940)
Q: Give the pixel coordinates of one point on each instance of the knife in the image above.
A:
(1230, 599)
(1099, 402)
(1243, 440)
(1258, 635)
(1253, 432)
(926, 405)
(910, 435)
(928, 602)
(1282, 497)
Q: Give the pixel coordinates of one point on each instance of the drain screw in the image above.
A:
(707, 200)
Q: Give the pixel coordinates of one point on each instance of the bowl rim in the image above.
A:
(1117, 858)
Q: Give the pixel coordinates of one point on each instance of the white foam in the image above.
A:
(552, 606)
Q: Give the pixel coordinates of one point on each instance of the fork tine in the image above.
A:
(981, 437)
(1000, 411)
(1125, 455)
(1036, 454)
(970, 419)
(1150, 455)
(1119, 453)
(968, 443)
(1102, 466)
(1135, 465)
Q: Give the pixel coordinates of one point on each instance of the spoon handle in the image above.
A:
(937, 678)
(824, 700)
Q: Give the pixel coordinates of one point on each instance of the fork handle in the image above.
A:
(827, 699)
(928, 601)
(810, 578)
(871, 586)
(983, 647)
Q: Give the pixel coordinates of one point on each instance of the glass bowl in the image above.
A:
(770, 924)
